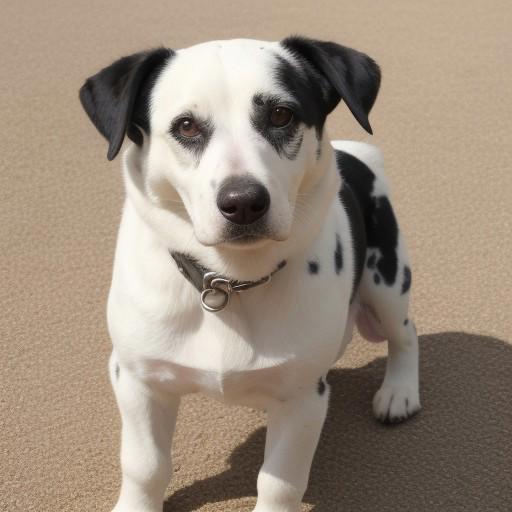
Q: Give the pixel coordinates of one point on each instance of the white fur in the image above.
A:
(271, 346)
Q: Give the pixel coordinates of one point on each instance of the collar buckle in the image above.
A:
(216, 292)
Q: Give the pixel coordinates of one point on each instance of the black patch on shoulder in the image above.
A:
(376, 278)
(338, 255)
(406, 285)
(313, 267)
(321, 387)
(379, 219)
(117, 371)
(357, 229)
(286, 140)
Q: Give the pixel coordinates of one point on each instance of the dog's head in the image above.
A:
(232, 131)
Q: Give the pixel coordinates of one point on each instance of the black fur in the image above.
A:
(313, 267)
(357, 230)
(338, 255)
(307, 90)
(339, 73)
(116, 98)
(406, 284)
(380, 222)
(321, 387)
(286, 140)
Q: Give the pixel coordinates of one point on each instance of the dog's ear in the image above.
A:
(116, 98)
(350, 75)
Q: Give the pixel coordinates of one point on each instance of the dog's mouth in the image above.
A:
(244, 237)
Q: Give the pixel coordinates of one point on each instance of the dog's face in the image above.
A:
(231, 131)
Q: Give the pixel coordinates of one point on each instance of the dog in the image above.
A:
(249, 248)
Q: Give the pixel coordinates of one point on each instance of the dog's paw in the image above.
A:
(395, 403)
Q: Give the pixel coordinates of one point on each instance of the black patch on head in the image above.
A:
(334, 72)
(406, 321)
(196, 145)
(338, 255)
(406, 285)
(117, 371)
(305, 86)
(117, 98)
(313, 267)
(376, 278)
(321, 387)
(379, 218)
(357, 231)
(286, 140)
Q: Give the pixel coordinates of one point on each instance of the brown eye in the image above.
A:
(188, 127)
(280, 117)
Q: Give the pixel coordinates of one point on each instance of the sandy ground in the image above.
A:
(443, 120)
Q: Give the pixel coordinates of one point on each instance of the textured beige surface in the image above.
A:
(444, 121)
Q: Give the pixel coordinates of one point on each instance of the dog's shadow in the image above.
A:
(455, 455)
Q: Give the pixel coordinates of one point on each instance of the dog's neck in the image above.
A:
(174, 231)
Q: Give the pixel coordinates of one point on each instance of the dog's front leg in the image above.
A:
(148, 424)
(294, 427)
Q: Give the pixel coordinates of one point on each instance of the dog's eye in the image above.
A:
(280, 117)
(187, 127)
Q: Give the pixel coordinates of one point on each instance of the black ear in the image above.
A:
(351, 75)
(116, 98)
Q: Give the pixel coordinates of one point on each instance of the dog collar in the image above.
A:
(215, 289)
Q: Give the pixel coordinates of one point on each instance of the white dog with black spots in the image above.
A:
(249, 247)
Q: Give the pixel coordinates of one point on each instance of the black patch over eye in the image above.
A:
(278, 124)
(281, 117)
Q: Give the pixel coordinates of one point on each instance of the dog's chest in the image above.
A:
(246, 354)
(268, 343)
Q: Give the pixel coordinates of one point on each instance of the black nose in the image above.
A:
(242, 200)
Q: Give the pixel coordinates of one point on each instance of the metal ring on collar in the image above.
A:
(214, 309)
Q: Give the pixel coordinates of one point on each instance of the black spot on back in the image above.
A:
(379, 219)
(406, 285)
(338, 255)
(357, 230)
(313, 267)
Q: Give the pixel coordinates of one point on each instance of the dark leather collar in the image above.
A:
(214, 288)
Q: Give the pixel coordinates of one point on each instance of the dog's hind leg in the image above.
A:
(384, 315)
